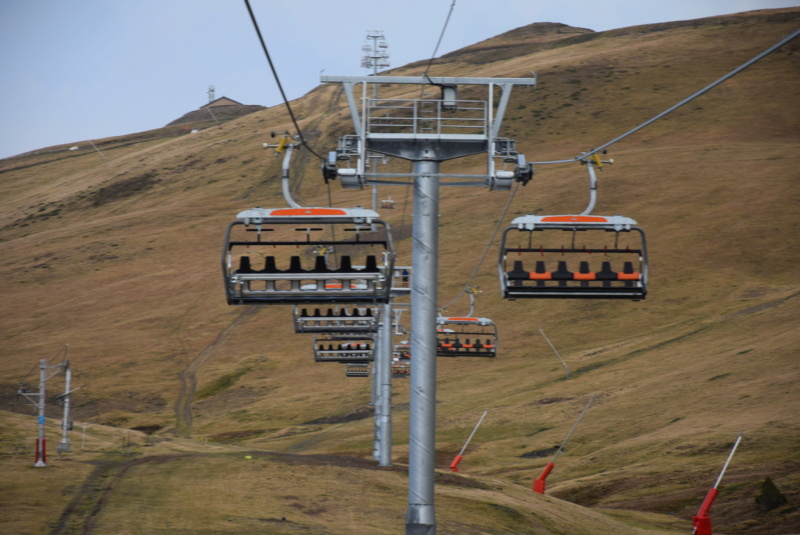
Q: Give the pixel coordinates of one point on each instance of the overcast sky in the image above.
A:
(89, 69)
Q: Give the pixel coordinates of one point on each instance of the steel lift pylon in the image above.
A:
(426, 132)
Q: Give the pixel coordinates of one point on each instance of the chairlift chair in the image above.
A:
(402, 350)
(401, 368)
(573, 257)
(357, 370)
(336, 319)
(388, 203)
(282, 256)
(350, 348)
(466, 337)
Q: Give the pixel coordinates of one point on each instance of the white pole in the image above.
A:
(561, 447)
(41, 450)
(725, 467)
(63, 446)
(473, 433)
(98, 150)
(555, 351)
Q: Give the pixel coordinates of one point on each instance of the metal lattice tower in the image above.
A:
(376, 55)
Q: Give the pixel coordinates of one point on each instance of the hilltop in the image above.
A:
(119, 256)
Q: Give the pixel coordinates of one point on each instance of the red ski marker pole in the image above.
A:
(539, 482)
(702, 522)
(454, 464)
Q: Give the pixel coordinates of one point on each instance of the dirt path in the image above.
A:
(188, 377)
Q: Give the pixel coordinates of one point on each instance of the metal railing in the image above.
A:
(433, 117)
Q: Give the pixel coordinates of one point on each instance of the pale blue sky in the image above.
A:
(89, 69)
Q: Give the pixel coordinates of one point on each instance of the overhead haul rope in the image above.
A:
(468, 285)
(441, 36)
(425, 75)
(277, 79)
(436, 49)
(283, 95)
(63, 350)
(679, 104)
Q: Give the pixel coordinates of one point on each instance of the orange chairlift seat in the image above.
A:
(307, 256)
(345, 349)
(573, 256)
(466, 337)
(336, 319)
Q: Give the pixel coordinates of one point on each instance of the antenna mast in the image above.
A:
(376, 55)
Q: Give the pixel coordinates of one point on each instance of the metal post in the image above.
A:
(63, 446)
(376, 395)
(421, 515)
(41, 445)
(385, 381)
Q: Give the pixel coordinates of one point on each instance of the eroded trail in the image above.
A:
(188, 377)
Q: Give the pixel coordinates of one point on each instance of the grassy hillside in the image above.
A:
(118, 256)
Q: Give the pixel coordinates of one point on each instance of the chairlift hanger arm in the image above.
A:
(591, 162)
(289, 147)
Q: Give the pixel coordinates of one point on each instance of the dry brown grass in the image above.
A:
(132, 283)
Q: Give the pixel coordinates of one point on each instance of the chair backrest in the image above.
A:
(294, 265)
(244, 265)
(372, 264)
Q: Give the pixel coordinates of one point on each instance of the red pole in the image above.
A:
(44, 450)
(539, 482)
(702, 522)
(702, 525)
(708, 502)
(454, 464)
